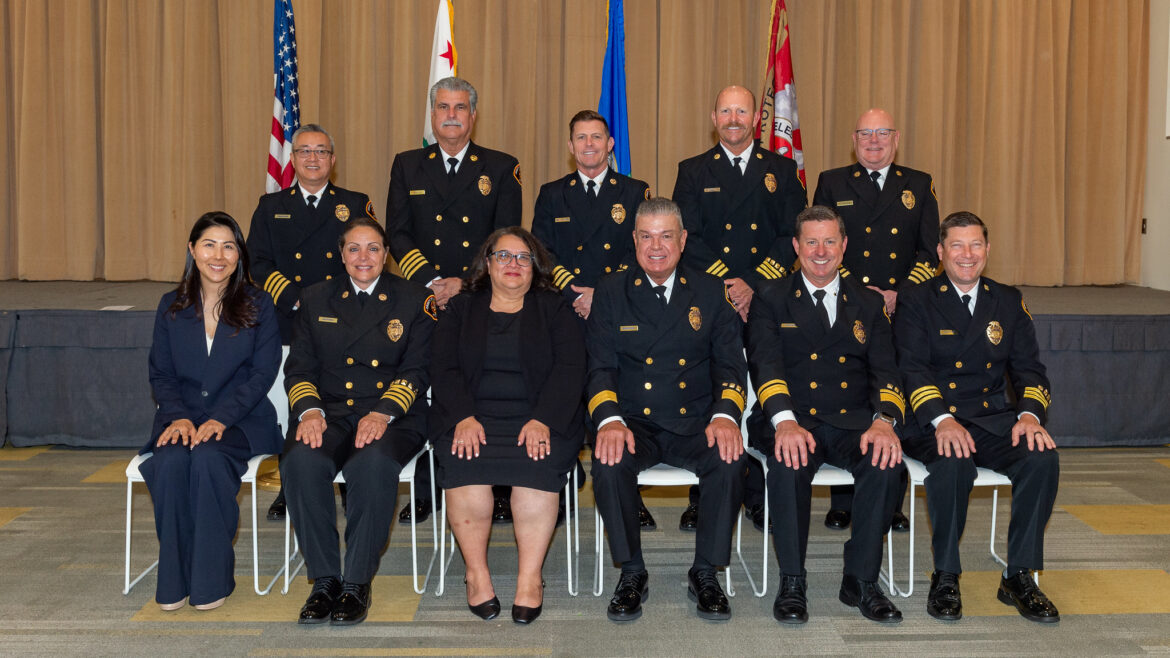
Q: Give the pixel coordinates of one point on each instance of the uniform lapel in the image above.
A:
(802, 309)
(435, 169)
(951, 307)
(609, 195)
(309, 219)
(862, 186)
(891, 190)
(677, 309)
(984, 312)
(848, 308)
(730, 182)
(577, 201)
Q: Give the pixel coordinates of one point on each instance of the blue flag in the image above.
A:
(612, 105)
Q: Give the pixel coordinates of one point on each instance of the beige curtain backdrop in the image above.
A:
(124, 120)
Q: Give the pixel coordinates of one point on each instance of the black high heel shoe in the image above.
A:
(522, 614)
(487, 610)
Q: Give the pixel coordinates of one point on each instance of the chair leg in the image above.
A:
(599, 547)
(994, 516)
(569, 531)
(129, 584)
(910, 560)
(445, 558)
(762, 588)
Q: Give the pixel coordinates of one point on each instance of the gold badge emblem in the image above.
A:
(770, 182)
(695, 318)
(908, 199)
(394, 330)
(341, 211)
(994, 332)
(859, 331)
(485, 185)
(618, 212)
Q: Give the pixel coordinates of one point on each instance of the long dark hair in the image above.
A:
(236, 307)
(477, 276)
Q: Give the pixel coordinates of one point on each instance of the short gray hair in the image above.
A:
(454, 84)
(660, 206)
(313, 128)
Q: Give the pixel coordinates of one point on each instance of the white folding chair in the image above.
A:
(572, 538)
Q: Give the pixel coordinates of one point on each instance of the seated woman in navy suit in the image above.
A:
(215, 354)
(507, 375)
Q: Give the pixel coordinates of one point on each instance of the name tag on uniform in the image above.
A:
(628, 327)
(560, 220)
(282, 216)
(417, 192)
(844, 203)
(787, 325)
(322, 318)
(710, 189)
(946, 332)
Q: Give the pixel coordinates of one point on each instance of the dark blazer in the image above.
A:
(674, 369)
(892, 235)
(840, 377)
(739, 225)
(955, 362)
(230, 384)
(435, 224)
(553, 365)
(293, 246)
(588, 237)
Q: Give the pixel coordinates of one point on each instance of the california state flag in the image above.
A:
(778, 103)
(443, 60)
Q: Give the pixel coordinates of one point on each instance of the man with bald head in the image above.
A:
(739, 203)
(891, 218)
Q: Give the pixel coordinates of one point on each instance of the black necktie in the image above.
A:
(311, 200)
(821, 310)
(735, 163)
(967, 303)
(591, 189)
(661, 292)
(874, 176)
(363, 297)
(453, 162)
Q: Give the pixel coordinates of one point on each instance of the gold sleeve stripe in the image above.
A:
(300, 392)
(769, 269)
(272, 279)
(1037, 394)
(280, 289)
(921, 395)
(735, 397)
(770, 388)
(893, 398)
(401, 397)
(561, 277)
(597, 400)
(717, 268)
(412, 262)
(844, 272)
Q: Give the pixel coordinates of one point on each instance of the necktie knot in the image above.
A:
(591, 189)
(966, 302)
(822, 311)
(876, 177)
(820, 295)
(661, 292)
(453, 162)
(735, 163)
(363, 297)
(311, 200)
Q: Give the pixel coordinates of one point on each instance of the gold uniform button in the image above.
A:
(466, 243)
(844, 384)
(297, 255)
(989, 365)
(984, 389)
(958, 364)
(844, 411)
(580, 247)
(865, 279)
(349, 384)
(297, 277)
(841, 359)
(812, 385)
(438, 242)
(648, 386)
(951, 386)
(813, 356)
(683, 411)
(727, 250)
(682, 384)
(753, 250)
(436, 267)
(379, 384)
(374, 363)
(869, 229)
(329, 254)
(349, 403)
(893, 256)
(608, 269)
(466, 219)
(576, 270)
(754, 227)
(646, 411)
(349, 361)
(952, 408)
(812, 412)
(894, 231)
(682, 362)
(892, 280)
(605, 246)
(985, 404)
(438, 218)
(464, 268)
(865, 253)
(328, 277)
(727, 227)
(649, 360)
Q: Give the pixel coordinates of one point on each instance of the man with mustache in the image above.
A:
(739, 202)
(444, 200)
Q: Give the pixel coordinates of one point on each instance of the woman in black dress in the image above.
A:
(507, 376)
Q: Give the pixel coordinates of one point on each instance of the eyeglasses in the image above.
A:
(880, 133)
(305, 153)
(502, 257)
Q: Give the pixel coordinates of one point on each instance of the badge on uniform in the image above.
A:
(859, 331)
(994, 332)
(770, 182)
(695, 318)
(618, 213)
(431, 307)
(394, 330)
(516, 175)
(908, 199)
(341, 211)
(485, 185)
(370, 210)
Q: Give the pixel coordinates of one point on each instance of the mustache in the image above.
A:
(452, 123)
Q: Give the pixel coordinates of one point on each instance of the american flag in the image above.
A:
(286, 110)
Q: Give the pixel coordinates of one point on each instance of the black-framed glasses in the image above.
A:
(880, 133)
(305, 153)
(523, 259)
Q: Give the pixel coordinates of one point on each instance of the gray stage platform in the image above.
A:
(73, 374)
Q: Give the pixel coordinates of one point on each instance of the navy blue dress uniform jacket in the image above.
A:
(347, 359)
(293, 246)
(436, 224)
(840, 377)
(739, 225)
(588, 237)
(229, 385)
(954, 362)
(674, 368)
(892, 234)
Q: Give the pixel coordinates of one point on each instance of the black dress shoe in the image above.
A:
(756, 514)
(353, 605)
(1022, 591)
(489, 609)
(420, 509)
(525, 615)
(277, 509)
(632, 589)
(899, 522)
(689, 521)
(321, 600)
(502, 510)
(838, 519)
(791, 605)
(645, 520)
(944, 601)
(703, 588)
(867, 596)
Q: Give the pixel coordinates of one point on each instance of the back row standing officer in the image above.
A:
(739, 203)
(891, 217)
(294, 232)
(444, 200)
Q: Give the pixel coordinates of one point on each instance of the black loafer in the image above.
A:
(319, 606)
(1022, 591)
(756, 514)
(525, 615)
(689, 521)
(899, 522)
(502, 510)
(791, 605)
(489, 609)
(867, 596)
(645, 520)
(710, 601)
(944, 601)
(838, 519)
(353, 605)
(631, 591)
(420, 509)
(277, 509)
